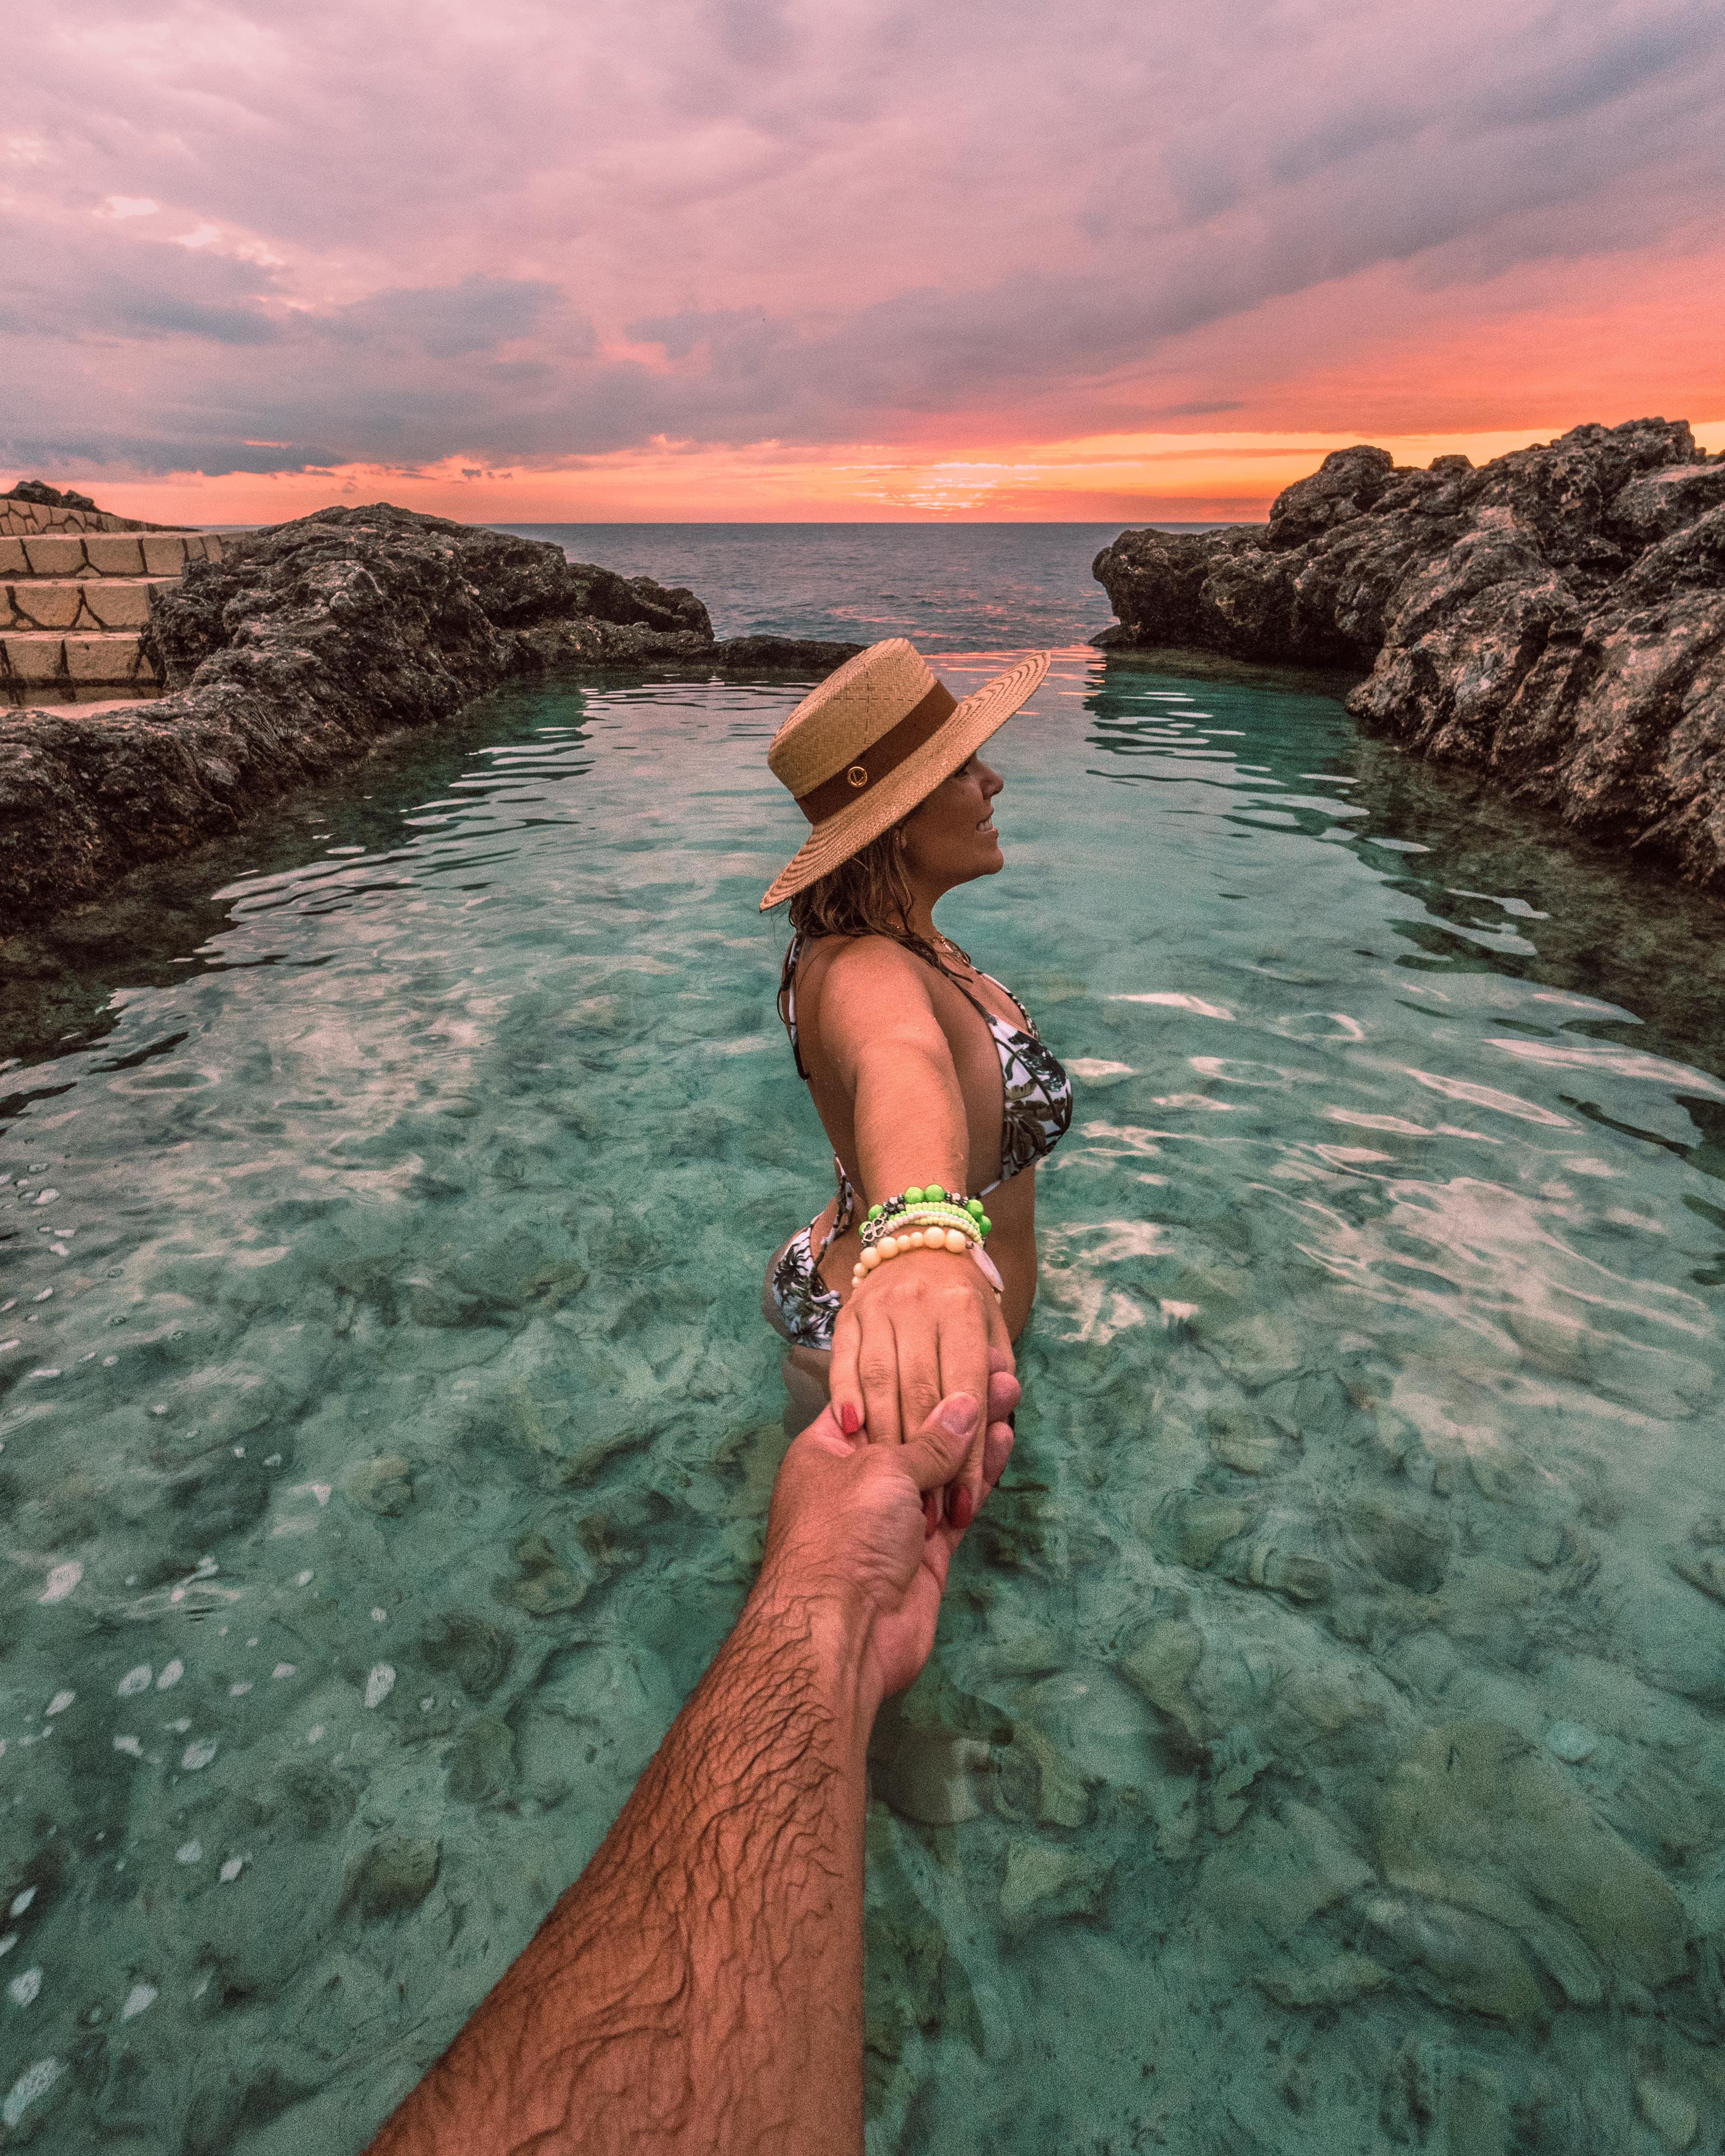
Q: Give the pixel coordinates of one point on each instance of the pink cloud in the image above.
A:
(523, 235)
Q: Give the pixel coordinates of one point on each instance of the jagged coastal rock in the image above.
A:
(1555, 617)
(295, 653)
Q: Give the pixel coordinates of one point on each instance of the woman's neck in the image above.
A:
(922, 918)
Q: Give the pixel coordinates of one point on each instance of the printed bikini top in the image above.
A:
(1036, 1094)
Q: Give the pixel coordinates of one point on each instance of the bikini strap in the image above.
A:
(1030, 1022)
(844, 1215)
(989, 1018)
(792, 959)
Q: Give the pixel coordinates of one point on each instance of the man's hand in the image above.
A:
(857, 1533)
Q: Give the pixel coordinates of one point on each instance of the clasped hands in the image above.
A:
(857, 1533)
(915, 1332)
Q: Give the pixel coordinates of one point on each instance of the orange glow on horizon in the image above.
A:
(1123, 478)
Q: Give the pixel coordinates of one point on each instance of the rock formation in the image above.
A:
(1556, 618)
(295, 653)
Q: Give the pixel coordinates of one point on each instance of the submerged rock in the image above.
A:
(313, 1798)
(1702, 1569)
(927, 1774)
(1464, 1959)
(1037, 1782)
(1668, 2112)
(396, 1873)
(469, 1648)
(1556, 618)
(1043, 1883)
(1336, 1982)
(1278, 1873)
(544, 1587)
(1398, 1539)
(482, 1766)
(383, 1485)
(1160, 1665)
(1473, 1816)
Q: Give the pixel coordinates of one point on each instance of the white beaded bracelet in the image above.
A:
(932, 1238)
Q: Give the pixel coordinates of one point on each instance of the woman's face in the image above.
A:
(950, 837)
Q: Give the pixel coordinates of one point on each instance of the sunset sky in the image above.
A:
(1110, 260)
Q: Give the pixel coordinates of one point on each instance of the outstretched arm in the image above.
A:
(929, 1324)
(700, 1987)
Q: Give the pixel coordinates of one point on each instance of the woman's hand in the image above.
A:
(917, 1331)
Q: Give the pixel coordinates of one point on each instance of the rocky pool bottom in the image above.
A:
(1322, 1751)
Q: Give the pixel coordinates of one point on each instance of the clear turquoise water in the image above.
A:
(1323, 1748)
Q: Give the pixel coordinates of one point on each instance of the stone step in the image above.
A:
(42, 667)
(106, 554)
(77, 603)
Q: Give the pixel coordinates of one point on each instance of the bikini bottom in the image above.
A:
(796, 1302)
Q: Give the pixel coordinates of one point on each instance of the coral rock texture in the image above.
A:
(1555, 617)
(303, 647)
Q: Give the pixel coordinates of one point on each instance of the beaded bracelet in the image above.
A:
(878, 1256)
(922, 1216)
(880, 1217)
(925, 1218)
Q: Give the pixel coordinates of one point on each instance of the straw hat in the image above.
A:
(871, 742)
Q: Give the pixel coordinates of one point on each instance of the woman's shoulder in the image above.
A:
(859, 958)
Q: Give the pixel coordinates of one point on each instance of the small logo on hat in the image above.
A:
(856, 776)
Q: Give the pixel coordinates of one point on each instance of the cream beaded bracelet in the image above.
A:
(929, 1238)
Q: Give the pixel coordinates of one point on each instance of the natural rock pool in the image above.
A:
(1322, 1751)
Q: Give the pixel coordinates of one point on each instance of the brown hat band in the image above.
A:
(880, 757)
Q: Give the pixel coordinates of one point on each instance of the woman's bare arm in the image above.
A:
(928, 1324)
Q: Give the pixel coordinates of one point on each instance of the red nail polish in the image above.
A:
(849, 1421)
(962, 1506)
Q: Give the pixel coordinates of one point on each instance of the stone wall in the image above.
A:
(26, 515)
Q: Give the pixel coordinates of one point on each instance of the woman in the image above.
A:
(928, 1075)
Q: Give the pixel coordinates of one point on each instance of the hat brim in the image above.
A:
(967, 727)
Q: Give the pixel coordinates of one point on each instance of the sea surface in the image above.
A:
(946, 587)
(1322, 1751)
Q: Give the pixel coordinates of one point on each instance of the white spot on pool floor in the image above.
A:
(134, 1682)
(198, 1754)
(61, 1581)
(21, 1901)
(130, 1745)
(60, 1701)
(170, 1674)
(379, 1684)
(35, 2081)
(139, 2000)
(232, 1868)
(25, 1987)
(189, 1852)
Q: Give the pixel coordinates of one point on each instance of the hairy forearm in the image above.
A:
(700, 1984)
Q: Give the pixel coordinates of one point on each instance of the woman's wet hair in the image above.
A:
(868, 894)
